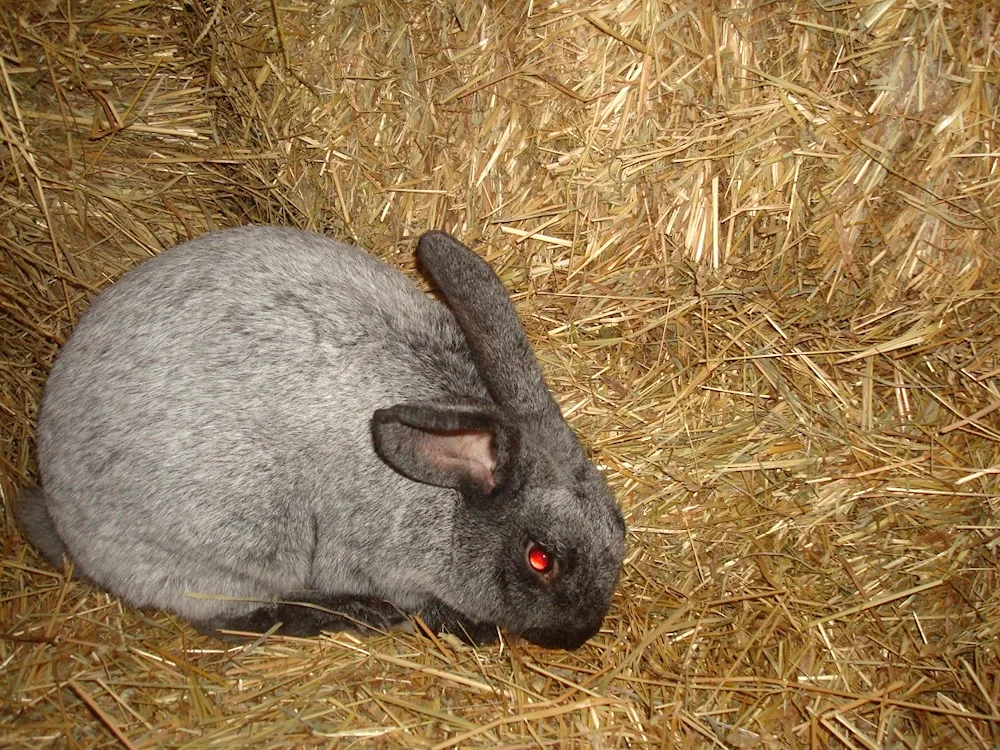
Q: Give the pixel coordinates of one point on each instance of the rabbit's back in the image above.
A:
(212, 409)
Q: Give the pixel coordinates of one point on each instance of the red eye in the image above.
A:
(539, 559)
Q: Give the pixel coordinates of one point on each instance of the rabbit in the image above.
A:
(265, 428)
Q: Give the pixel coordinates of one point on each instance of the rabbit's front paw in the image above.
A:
(441, 618)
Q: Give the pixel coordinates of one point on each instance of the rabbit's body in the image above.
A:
(205, 440)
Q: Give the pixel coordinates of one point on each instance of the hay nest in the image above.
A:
(756, 248)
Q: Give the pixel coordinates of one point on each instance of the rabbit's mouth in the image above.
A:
(566, 638)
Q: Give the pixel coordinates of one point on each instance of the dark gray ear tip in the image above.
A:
(384, 423)
(436, 237)
(435, 245)
(383, 416)
(385, 428)
(433, 239)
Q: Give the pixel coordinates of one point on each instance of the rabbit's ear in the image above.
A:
(447, 444)
(486, 316)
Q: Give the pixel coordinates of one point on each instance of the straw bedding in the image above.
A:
(756, 247)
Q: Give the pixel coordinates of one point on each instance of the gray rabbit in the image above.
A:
(265, 427)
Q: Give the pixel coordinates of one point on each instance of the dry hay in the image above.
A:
(756, 247)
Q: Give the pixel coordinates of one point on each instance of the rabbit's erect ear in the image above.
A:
(486, 316)
(447, 444)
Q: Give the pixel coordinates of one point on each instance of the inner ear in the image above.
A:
(467, 454)
(449, 444)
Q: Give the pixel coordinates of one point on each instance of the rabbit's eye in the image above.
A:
(540, 559)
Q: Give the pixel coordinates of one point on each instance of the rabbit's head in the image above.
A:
(538, 541)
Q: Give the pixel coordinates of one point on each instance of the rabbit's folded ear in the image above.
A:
(447, 444)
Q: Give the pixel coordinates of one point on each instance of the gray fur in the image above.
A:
(205, 446)
(34, 518)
